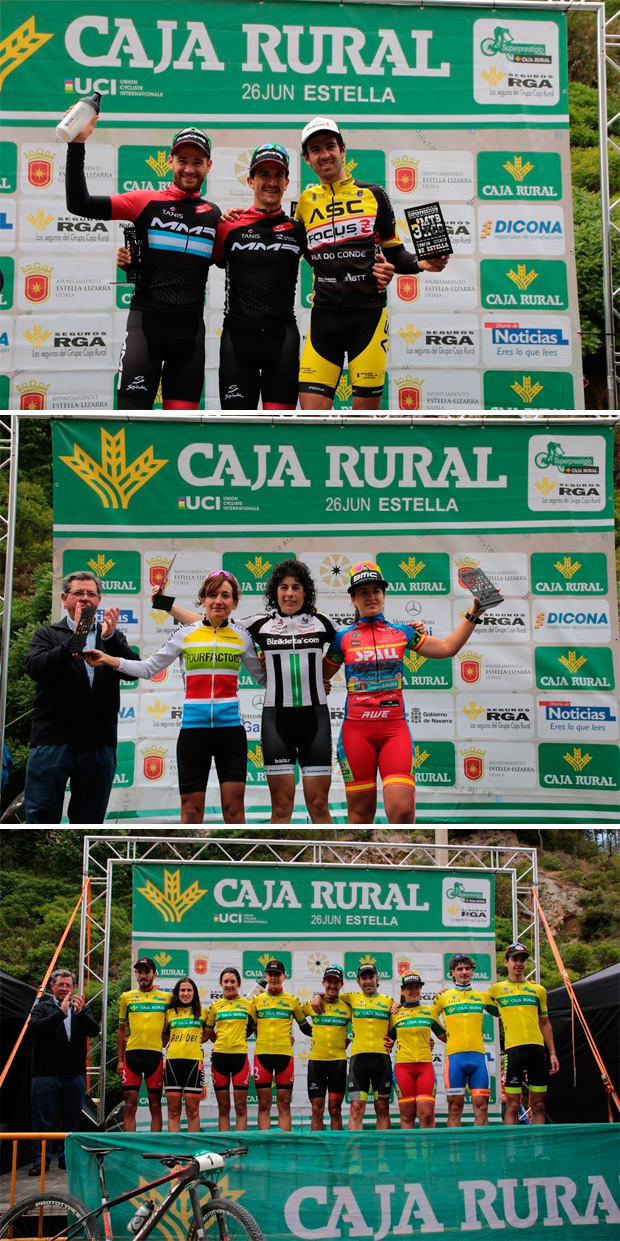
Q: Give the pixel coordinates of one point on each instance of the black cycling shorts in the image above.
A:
(327, 1076)
(297, 734)
(196, 747)
(184, 1075)
(370, 1069)
(142, 1063)
(230, 1066)
(257, 364)
(526, 1066)
(170, 348)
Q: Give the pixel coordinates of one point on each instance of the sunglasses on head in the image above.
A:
(266, 147)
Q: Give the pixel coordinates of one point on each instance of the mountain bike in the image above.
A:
(59, 1217)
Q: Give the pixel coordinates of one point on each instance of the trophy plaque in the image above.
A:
(78, 641)
(428, 231)
(481, 587)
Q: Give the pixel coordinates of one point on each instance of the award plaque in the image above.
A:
(428, 231)
(164, 602)
(78, 641)
(481, 587)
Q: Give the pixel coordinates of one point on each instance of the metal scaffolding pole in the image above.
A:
(9, 448)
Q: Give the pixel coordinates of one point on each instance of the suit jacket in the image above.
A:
(67, 709)
(54, 1055)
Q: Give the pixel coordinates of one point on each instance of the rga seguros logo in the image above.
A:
(466, 901)
(114, 479)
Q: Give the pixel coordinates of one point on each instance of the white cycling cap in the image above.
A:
(320, 125)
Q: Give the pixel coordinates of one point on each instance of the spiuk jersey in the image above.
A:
(293, 650)
(260, 252)
(186, 1033)
(329, 1030)
(520, 1005)
(146, 1013)
(373, 652)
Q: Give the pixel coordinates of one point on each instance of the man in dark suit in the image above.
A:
(60, 1025)
(74, 731)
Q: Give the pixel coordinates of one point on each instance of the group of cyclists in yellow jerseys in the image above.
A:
(373, 1022)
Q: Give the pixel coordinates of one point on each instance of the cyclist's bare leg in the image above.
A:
(398, 803)
(318, 1112)
(264, 1106)
(511, 1113)
(356, 1113)
(223, 1110)
(283, 1103)
(282, 793)
(426, 1113)
(232, 793)
(131, 1107)
(241, 1109)
(334, 1104)
(316, 794)
(156, 1113)
(366, 402)
(481, 1109)
(382, 1112)
(361, 806)
(456, 1103)
(537, 1102)
(312, 400)
(175, 1102)
(192, 807)
(407, 1114)
(192, 1111)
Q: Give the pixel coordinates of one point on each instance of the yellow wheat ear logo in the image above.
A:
(414, 662)
(517, 168)
(546, 486)
(572, 662)
(472, 711)
(368, 960)
(410, 333)
(255, 755)
(19, 46)
(528, 393)
(37, 336)
(266, 956)
(493, 76)
(349, 166)
(100, 566)
(344, 391)
(114, 480)
(522, 277)
(40, 221)
(420, 757)
(577, 760)
(172, 903)
(157, 709)
(159, 164)
(411, 567)
(567, 567)
(162, 959)
(180, 1215)
(258, 567)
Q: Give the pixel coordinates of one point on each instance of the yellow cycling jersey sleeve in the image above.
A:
(186, 1033)
(462, 1013)
(329, 1030)
(413, 1026)
(520, 1005)
(229, 1019)
(274, 1021)
(145, 1011)
(370, 1015)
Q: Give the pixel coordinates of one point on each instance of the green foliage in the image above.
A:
(589, 261)
(577, 956)
(27, 615)
(583, 105)
(548, 861)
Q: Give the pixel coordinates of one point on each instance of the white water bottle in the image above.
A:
(78, 117)
(141, 1214)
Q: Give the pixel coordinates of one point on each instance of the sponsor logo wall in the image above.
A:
(522, 718)
(499, 329)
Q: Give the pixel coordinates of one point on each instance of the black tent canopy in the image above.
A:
(584, 1100)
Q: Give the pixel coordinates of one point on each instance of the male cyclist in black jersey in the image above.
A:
(348, 224)
(175, 229)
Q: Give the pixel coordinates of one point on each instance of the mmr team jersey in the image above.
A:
(373, 652)
(261, 252)
(210, 660)
(186, 1033)
(229, 1019)
(146, 1013)
(274, 1021)
(520, 1005)
(413, 1025)
(293, 650)
(329, 1030)
(463, 1011)
(370, 1015)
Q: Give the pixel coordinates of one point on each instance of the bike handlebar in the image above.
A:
(188, 1156)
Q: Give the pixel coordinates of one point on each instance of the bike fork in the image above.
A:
(197, 1209)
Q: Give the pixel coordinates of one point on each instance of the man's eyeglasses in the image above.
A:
(83, 594)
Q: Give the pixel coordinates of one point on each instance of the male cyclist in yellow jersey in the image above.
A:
(463, 1009)
(275, 1010)
(413, 1067)
(370, 1066)
(348, 225)
(327, 1066)
(145, 1008)
(527, 1031)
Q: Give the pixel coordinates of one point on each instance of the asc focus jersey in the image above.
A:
(329, 1030)
(186, 1033)
(413, 1025)
(520, 1005)
(260, 253)
(274, 1020)
(373, 652)
(370, 1015)
(175, 234)
(211, 660)
(145, 1011)
(463, 1011)
(229, 1019)
(346, 225)
(293, 650)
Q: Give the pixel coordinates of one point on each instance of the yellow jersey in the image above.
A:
(463, 1011)
(229, 1019)
(274, 1022)
(146, 1013)
(370, 1015)
(186, 1033)
(520, 1005)
(413, 1025)
(329, 1030)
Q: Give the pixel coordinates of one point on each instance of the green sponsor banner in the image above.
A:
(132, 684)
(298, 1185)
(410, 573)
(5, 388)
(124, 294)
(343, 396)
(7, 271)
(529, 175)
(434, 763)
(528, 390)
(509, 284)
(263, 903)
(382, 962)
(576, 668)
(482, 972)
(120, 572)
(579, 767)
(565, 573)
(254, 962)
(164, 475)
(254, 569)
(256, 771)
(170, 962)
(8, 167)
(375, 62)
(421, 673)
(125, 756)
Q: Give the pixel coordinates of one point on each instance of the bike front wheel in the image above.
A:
(489, 47)
(54, 1217)
(227, 1221)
